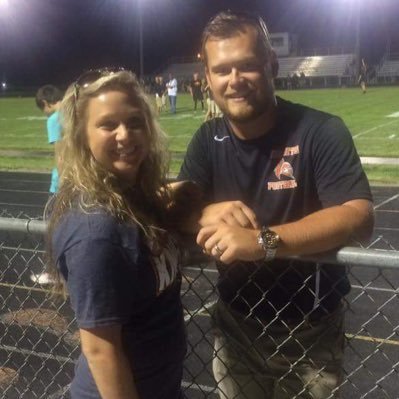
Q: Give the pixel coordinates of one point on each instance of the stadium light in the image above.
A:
(357, 9)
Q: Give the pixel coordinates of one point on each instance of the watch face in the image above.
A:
(271, 239)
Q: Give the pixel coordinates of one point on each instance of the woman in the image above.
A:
(109, 246)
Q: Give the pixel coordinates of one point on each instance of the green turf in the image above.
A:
(22, 126)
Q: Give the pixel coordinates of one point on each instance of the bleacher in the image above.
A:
(311, 66)
(389, 69)
(183, 70)
(316, 66)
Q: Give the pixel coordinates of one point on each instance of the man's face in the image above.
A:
(241, 80)
(48, 108)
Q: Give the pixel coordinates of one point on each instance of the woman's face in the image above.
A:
(116, 134)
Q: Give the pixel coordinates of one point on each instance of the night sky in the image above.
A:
(53, 41)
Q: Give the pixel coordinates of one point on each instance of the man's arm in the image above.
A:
(233, 213)
(318, 232)
(108, 363)
(189, 212)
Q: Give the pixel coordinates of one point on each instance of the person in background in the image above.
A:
(195, 88)
(159, 91)
(110, 244)
(213, 110)
(363, 76)
(164, 92)
(48, 100)
(171, 87)
(279, 180)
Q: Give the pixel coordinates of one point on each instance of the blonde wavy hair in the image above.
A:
(87, 185)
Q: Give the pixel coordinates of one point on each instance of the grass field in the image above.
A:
(23, 138)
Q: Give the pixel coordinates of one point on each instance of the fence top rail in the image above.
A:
(31, 226)
(344, 256)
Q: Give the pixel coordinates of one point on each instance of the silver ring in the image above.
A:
(219, 252)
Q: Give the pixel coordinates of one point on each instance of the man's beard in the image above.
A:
(248, 113)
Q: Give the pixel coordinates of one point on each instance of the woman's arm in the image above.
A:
(108, 363)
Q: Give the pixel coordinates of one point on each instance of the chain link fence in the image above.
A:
(39, 341)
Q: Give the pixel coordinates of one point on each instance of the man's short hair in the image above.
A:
(227, 24)
(48, 93)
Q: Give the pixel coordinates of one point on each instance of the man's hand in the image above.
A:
(230, 243)
(232, 213)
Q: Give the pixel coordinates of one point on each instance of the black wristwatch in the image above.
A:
(269, 241)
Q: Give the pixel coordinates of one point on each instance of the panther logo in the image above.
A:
(284, 168)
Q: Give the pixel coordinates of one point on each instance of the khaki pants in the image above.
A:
(254, 360)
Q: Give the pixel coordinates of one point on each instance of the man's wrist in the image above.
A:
(268, 240)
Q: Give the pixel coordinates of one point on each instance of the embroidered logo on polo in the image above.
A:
(216, 138)
(283, 171)
(288, 151)
(284, 168)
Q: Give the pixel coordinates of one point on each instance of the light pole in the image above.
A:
(357, 36)
(141, 56)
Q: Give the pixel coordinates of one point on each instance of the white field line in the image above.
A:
(375, 128)
(369, 288)
(387, 228)
(348, 335)
(180, 135)
(42, 355)
(25, 205)
(190, 385)
(386, 201)
(390, 290)
(59, 394)
(31, 118)
(391, 137)
(22, 180)
(23, 191)
(182, 116)
(372, 339)
(200, 311)
(199, 387)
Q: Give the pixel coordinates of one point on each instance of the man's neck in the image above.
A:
(57, 106)
(257, 127)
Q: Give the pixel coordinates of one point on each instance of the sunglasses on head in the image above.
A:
(90, 76)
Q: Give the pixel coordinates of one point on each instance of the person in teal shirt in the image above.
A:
(48, 99)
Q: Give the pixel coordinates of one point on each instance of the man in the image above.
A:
(48, 100)
(281, 179)
(363, 76)
(171, 87)
(159, 90)
(196, 91)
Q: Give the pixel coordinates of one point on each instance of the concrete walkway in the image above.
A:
(38, 154)
(379, 161)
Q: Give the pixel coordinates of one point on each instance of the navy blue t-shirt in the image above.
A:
(112, 278)
(305, 163)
